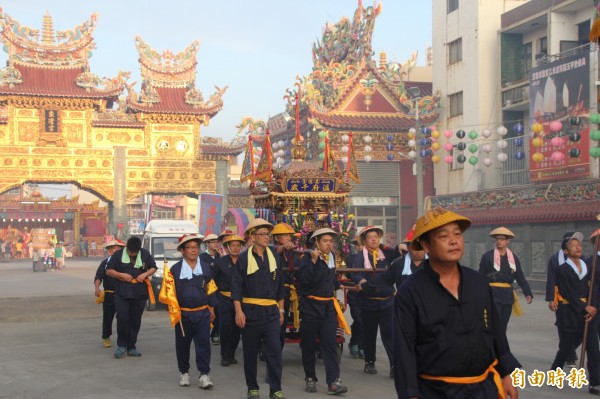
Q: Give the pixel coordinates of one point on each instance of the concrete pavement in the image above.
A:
(50, 347)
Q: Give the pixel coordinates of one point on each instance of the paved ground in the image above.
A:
(50, 347)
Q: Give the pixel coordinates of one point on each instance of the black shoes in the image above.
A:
(370, 368)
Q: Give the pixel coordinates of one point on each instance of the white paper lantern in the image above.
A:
(275, 146)
(344, 149)
(502, 130)
(368, 158)
(502, 144)
(367, 139)
(486, 133)
(486, 147)
(368, 148)
(345, 138)
(412, 130)
(502, 157)
(281, 153)
(281, 143)
(412, 143)
(345, 160)
(487, 162)
(412, 154)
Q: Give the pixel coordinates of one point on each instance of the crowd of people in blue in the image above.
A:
(443, 325)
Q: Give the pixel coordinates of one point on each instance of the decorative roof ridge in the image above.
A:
(168, 69)
(68, 47)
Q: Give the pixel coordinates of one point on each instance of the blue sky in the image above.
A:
(255, 47)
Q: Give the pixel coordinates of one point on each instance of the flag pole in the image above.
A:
(589, 300)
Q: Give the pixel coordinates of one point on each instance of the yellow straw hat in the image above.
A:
(433, 219)
(282, 228)
(233, 237)
(502, 231)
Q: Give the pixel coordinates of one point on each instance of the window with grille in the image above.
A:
(455, 104)
(527, 56)
(455, 51)
(455, 165)
(452, 5)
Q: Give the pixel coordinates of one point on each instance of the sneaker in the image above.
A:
(120, 352)
(106, 343)
(277, 395)
(204, 382)
(370, 368)
(336, 387)
(225, 362)
(133, 352)
(594, 389)
(361, 354)
(253, 394)
(311, 385)
(571, 365)
(216, 340)
(354, 351)
(233, 360)
(184, 380)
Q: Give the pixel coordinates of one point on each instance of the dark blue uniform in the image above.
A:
(440, 335)
(191, 294)
(130, 299)
(211, 260)
(504, 296)
(230, 332)
(319, 318)
(376, 302)
(570, 321)
(262, 322)
(108, 306)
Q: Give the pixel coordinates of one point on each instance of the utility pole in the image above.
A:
(416, 96)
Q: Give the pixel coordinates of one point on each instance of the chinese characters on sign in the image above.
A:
(50, 121)
(310, 185)
(556, 378)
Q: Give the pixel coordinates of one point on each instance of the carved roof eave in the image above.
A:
(159, 109)
(369, 121)
(223, 149)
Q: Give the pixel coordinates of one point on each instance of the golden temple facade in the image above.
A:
(61, 123)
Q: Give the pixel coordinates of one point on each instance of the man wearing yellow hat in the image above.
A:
(448, 342)
(224, 267)
(375, 300)
(321, 312)
(257, 294)
(502, 268)
(107, 295)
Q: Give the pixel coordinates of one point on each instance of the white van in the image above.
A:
(161, 238)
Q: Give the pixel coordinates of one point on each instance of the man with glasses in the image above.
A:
(195, 290)
(131, 267)
(258, 295)
(502, 268)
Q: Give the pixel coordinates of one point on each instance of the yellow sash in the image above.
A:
(100, 299)
(338, 310)
(294, 305)
(150, 291)
(260, 301)
(516, 308)
(472, 380)
(195, 309)
(226, 293)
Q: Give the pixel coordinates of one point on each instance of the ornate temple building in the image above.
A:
(61, 123)
(379, 102)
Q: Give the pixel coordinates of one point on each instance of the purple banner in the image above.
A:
(210, 207)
